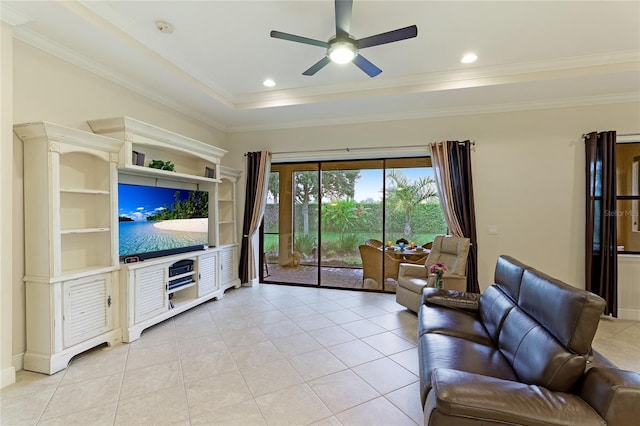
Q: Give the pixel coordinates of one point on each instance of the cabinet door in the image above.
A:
(150, 293)
(87, 308)
(227, 270)
(207, 274)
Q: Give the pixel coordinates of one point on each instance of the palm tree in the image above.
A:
(404, 195)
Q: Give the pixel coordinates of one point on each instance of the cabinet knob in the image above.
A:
(109, 301)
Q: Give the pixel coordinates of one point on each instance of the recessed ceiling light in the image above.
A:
(269, 83)
(469, 58)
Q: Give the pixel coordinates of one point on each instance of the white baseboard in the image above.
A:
(7, 377)
(251, 283)
(18, 361)
(629, 314)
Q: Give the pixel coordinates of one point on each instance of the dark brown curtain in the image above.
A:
(258, 169)
(452, 166)
(601, 245)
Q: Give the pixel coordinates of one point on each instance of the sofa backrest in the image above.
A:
(547, 337)
(493, 308)
(570, 314)
(508, 275)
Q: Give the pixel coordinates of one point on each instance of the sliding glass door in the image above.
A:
(319, 215)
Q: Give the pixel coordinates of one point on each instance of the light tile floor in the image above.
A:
(269, 354)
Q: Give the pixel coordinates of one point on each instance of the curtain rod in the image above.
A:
(473, 143)
(584, 135)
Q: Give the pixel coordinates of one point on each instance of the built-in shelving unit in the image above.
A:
(191, 157)
(79, 294)
(146, 287)
(70, 243)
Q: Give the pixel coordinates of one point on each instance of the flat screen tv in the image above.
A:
(156, 221)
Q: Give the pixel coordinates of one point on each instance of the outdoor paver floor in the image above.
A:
(350, 278)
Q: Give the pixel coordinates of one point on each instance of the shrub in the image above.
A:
(305, 243)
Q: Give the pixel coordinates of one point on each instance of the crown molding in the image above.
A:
(11, 16)
(450, 112)
(420, 82)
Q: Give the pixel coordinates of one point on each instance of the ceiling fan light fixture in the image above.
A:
(342, 52)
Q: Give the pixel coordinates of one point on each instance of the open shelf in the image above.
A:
(181, 287)
(134, 170)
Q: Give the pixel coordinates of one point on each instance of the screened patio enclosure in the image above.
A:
(318, 215)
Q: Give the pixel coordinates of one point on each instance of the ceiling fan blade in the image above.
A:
(388, 37)
(299, 39)
(366, 66)
(317, 66)
(343, 17)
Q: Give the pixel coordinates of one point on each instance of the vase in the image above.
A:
(439, 282)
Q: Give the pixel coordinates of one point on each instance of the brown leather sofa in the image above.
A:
(518, 354)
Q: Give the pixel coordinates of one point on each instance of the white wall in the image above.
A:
(7, 370)
(528, 172)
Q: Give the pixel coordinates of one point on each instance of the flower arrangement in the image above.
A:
(438, 269)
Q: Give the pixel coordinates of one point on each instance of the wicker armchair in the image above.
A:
(372, 264)
(374, 243)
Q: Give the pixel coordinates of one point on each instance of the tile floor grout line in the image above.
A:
(124, 371)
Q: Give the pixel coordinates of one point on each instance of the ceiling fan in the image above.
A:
(342, 47)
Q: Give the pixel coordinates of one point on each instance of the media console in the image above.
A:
(78, 293)
(157, 289)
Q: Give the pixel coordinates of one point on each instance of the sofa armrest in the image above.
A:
(412, 270)
(614, 393)
(451, 299)
(458, 395)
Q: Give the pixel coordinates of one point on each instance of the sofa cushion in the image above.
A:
(442, 351)
(452, 322)
(571, 315)
(459, 397)
(536, 356)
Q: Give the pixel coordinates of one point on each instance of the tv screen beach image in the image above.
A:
(155, 219)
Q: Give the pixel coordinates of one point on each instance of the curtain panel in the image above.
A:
(452, 168)
(601, 245)
(258, 169)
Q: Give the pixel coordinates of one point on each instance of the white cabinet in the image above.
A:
(229, 268)
(207, 274)
(70, 243)
(151, 292)
(87, 308)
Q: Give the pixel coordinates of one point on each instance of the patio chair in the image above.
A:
(372, 264)
(374, 243)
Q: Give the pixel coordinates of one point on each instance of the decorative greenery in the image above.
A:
(305, 243)
(352, 261)
(348, 243)
(162, 165)
(404, 196)
(342, 215)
